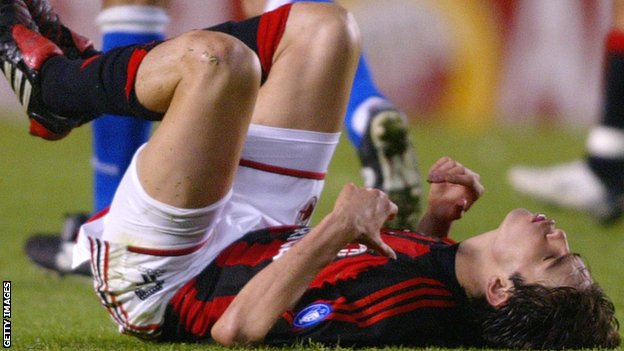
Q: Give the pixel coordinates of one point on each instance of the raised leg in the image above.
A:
(206, 84)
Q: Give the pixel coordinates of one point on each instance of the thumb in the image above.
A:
(381, 247)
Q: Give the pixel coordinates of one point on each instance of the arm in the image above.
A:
(358, 215)
(454, 188)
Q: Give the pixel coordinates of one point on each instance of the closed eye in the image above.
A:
(561, 259)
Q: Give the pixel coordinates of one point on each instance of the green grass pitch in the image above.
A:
(39, 181)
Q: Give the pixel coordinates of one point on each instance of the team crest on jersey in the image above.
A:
(312, 315)
(304, 215)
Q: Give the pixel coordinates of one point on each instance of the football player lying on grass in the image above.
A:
(206, 238)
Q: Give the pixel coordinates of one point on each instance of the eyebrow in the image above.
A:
(562, 259)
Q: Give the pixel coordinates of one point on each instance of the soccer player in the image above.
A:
(241, 148)
(594, 184)
(376, 129)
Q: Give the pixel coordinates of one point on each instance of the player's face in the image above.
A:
(531, 244)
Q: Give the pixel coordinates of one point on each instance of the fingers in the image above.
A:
(443, 167)
(365, 209)
(392, 211)
(447, 170)
(438, 169)
(462, 207)
(387, 251)
(439, 163)
(375, 243)
(384, 207)
(469, 180)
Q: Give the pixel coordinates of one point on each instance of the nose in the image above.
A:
(560, 240)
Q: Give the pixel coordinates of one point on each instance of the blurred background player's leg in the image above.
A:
(595, 183)
(115, 138)
(379, 133)
(122, 23)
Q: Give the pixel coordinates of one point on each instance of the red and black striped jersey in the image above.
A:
(360, 299)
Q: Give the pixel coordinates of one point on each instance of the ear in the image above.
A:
(497, 291)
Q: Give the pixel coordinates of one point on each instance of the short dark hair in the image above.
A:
(540, 317)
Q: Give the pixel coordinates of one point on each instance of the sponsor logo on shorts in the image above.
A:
(151, 284)
(312, 315)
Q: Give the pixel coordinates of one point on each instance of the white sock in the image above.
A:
(606, 142)
(133, 18)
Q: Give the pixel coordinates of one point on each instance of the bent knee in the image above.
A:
(206, 54)
(333, 26)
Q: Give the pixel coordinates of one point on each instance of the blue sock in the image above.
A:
(364, 90)
(116, 138)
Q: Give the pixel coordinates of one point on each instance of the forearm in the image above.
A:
(434, 227)
(279, 286)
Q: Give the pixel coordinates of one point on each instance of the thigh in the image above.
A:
(207, 82)
(312, 72)
(137, 219)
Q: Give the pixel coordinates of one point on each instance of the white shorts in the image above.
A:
(142, 251)
(274, 4)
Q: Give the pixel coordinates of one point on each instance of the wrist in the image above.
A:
(331, 234)
(432, 225)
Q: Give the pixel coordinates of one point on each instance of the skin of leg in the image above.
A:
(206, 83)
(303, 91)
(111, 3)
(618, 14)
(251, 8)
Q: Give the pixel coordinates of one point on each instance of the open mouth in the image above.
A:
(539, 217)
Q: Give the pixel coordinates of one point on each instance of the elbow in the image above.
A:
(232, 334)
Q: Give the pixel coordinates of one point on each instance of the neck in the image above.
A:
(471, 264)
